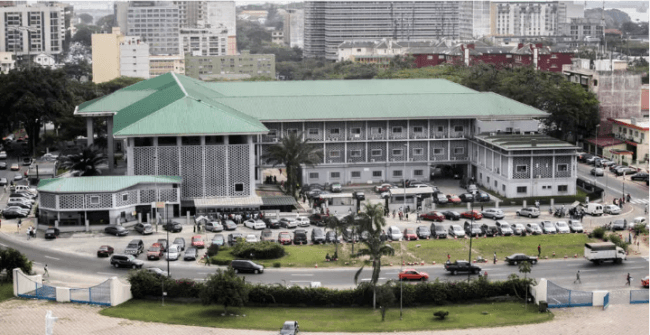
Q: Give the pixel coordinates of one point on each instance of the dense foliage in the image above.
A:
(11, 259)
(225, 288)
(259, 250)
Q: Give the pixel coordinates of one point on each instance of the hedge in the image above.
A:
(259, 250)
(427, 293)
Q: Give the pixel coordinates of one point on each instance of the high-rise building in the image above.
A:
(223, 15)
(134, 57)
(245, 65)
(191, 13)
(328, 24)
(157, 23)
(106, 55)
(31, 30)
(203, 41)
(525, 18)
(294, 28)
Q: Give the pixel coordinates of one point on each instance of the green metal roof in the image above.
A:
(100, 183)
(279, 201)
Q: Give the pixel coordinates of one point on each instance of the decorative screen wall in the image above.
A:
(356, 152)
(438, 151)
(560, 172)
(168, 161)
(71, 201)
(377, 130)
(438, 128)
(314, 131)
(334, 152)
(518, 170)
(542, 167)
(144, 160)
(100, 200)
(126, 198)
(147, 196)
(215, 170)
(334, 131)
(192, 157)
(418, 151)
(397, 130)
(356, 131)
(168, 195)
(397, 151)
(377, 152)
(418, 129)
(105, 200)
(239, 169)
(459, 150)
(47, 200)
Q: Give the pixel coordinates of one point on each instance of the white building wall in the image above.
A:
(46, 39)
(482, 127)
(134, 58)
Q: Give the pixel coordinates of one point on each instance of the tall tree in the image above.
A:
(524, 267)
(225, 288)
(105, 23)
(373, 221)
(86, 162)
(293, 151)
(338, 225)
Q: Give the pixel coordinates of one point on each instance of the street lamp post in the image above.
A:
(401, 281)
(404, 176)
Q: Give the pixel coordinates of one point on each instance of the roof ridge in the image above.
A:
(179, 83)
(342, 95)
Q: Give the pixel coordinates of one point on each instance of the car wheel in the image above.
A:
(534, 261)
(115, 265)
(454, 272)
(530, 215)
(236, 271)
(257, 271)
(423, 279)
(516, 262)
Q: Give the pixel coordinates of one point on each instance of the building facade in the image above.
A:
(525, 18)
(46, 32)
(294, 28)
(106, 55)
(159, 65)
(203, 41)
(7, 62)
(213, 67)
(134, 58)
(277, 37)
(634, 132)
(157, 24)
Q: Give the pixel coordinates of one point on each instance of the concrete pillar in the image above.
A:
(469, 206)
(110, 145)
(139, 217)
(187, 217)
(90, 136)
(496, 204)
(62, 294)
(56, 223)
(148, 217)
(553, 202)
(524, 205)
(251, 155)
(87, 225)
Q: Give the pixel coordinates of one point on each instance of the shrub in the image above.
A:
(599, 232)
(213, 250)
(441, 315)
(11, 259)
(640, 229)
(614, 238)
(277, 264)
(259, 250)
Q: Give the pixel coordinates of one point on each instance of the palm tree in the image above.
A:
(293, 151)
(338, 226)
(373, 221)
(86, 162)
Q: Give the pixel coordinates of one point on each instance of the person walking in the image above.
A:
(577, 278)
(629, 279)
(406, 215)
(45, 272)
(207, 259)
(539, 250)
(20, 222)
(495, 257)
(485, 275)
(417, 217)
(393, 213)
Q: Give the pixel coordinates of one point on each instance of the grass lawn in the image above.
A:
(6, 291)
(331, 319)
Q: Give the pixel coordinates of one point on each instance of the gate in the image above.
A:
(639, 296)
(39, 291)
(97, 295)
(558, 296)
(606, 301)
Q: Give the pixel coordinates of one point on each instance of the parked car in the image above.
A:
(645, 282)
(643, 176)
(290, 328)
(504, 228)
(409, 234)
(438, 231)
(394, 234)
(197, 242)
(116, 230)
(575, 226)
(454, 199)
(284, 238)
(303, 221)
(250, 238)
(359, 195)
(515, 259)
(154, 252)
(144, 228)
(126, 261)
(3, 155)
(412, 274)
(213, 226)
(319, 220)
(423, 232)
(350, 235)
(15, 167)
(3, 181)
(562, 227)
(473, 229)
(533, 228)
(300, 236)
(172, 253)
(191, 254)
(456, 231)
(163, 244)
(489, 230)
(598, 172)
(218, 239)
(466, 197)
(19, 204)
(531, 212)
(493, 213)
(317, 236)
(548, 227)
(105, 251)
(180, 242)
(336, 188)
(440, 198)
(451, 215)
(51, 233)
(288, 223)
(135, 247)
(619, 224)
(613, 168)
(246, 266)
(330, 237)
(611, 209)
(383, 188)
(472, 214)
(266, 235)
(482, 197)
(229, 225)
(18, 177)
(234, 238)
(173, 227)
(156, 272)
(432, 216)
(272, 223)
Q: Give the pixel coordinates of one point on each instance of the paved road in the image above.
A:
(613, 185)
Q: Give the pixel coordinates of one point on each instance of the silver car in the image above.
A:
(517, 228)
(531, 212)
(504, 228)
(575, 226)
(598, 172)
(493, 213)
(548, 227)
(533, 228)
(562, 227)
(213, 226)
(172, 253)
(611, 209)
(456, 231)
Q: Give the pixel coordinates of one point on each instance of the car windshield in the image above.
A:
(49, 231)
(284, 235)
(266, 233)
(154, 249)
(424, 229)
(287, 326)
(476, 225)
(534, 225)
(548, 224)
(103, 248)
(131, 258)
(131, 245)
(561, 224)
(456, 228)
(440, 228)
(173, 249)
(408, 231)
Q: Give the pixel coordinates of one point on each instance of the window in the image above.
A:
(355, 174)
(313, 131)
(503, 187)
(418, 173)
(459, 129)
(397, 130)
(521, 168)
(94, 200)
(239, 187)
(335, 153)
(313, 175)
(441, 56)
(438, 151)
(522, 189)
(335, 175)
(335, 131)
(488, 179)
(562, 188)
(355, 130)
(562, 167)
(375, 130)
(397, 173)
(377, 174)
(441, 129)
(375, 152)
(397, 152)
(459, 151)
(417, 129)
(125, 197)
(292, 130)
(418, 151)
(355, 153)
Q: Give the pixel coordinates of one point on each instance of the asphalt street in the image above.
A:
(613, 185)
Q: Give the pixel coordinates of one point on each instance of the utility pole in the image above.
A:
(470, 235)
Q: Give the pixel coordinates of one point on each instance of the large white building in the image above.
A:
(294, 28)
(134, 57)
(203, 41)
(157, 24)
(31, 30)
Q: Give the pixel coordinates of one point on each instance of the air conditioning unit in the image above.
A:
(372, 160)
(275, 140)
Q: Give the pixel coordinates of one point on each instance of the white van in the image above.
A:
(594, 209)
(24, 188)
(394, 234)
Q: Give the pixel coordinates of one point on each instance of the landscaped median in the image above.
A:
(426, 251)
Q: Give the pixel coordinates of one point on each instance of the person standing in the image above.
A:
(629, 279)
(45, 272)
(577, 278)
(495, 257)
(18, 224)
(406, 215)
(417, 217)
(539, 250)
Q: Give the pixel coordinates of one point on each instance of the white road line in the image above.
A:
(303, 274)
(106, 274)
(635, 267)
(54, 258)
(204, 273)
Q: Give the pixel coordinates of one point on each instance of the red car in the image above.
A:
(454, 199)
(105, 251)
(197, 242)
(472, 214)
(284, 238)
(432, 216)
(409, 234)
(155, 252)
(383, 188)
(412, 274)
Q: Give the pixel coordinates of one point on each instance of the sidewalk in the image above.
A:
(28, 317)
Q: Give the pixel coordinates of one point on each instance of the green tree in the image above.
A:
(525, 268)
(373, 221)
(385, 298)
(84, 34)
(225, 288)
(11, 259)
(79, 69)
(86, 162)
(85, 18)
(105, 23)
(293, 151)
(338, 226)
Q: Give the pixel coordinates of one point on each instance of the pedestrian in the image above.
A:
(629, 197)
(400, 215)
(45, 272)
(615, 202)
(629, 279)
(406, 216)
(539, 250)
(207, 259)
(280, 170)
(448, 257)
(485, 275)
(417, 217)
(350, 210)
(20, 222)
(481, 208)
(577, 278)
(29, 232)
(393, 213)
(537, 204)
(335, 212)
(495, 257)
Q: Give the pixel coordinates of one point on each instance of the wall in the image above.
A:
(482, 127)
(619, 94)
(366, 173)
(120, 292)
(106, 56)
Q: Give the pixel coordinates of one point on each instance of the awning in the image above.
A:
(279, 201)
(230, 202)
(630, 143)
(411, 191)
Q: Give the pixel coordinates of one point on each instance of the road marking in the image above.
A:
(106, 274)
(303, 274)
(54, 258)
(636, 267)
(369, 279)
(204, 273)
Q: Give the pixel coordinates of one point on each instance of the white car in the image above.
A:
(254, 224)
(3, 155)
(548, 227)
(517, 228)
(575, 226)
(251, 238)
(562, 227)
(639, 220)
(303, 221)
(393, 233)
(456, 231)
(172, 253)
(611, 209)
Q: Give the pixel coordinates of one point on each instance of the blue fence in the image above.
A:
(639, 296)
(96, 295)
(558, 297)
(606, 301)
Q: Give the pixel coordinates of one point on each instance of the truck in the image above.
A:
(604, 251)
(461, 266)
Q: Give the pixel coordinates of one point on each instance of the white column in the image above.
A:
(130, 169)
(251, 167)
(226, 142)
(90, 136)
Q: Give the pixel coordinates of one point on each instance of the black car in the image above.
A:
(190, 254)
(246, 266)
(126, 261)
(438, 231)
(515, 259)
(489, 231)
(330, 237)
(300, 236)
(317, 236)
(229, 225)
(234, 238)
(19, 204)
(272, 223)
(51, 233)
(180, 242)
(359, 195)
(135, 247)
(12, 214)
(451, 215)
(116, 230)
(482, 197)
(466, 197)
(144, 228)
(639, 176)
(173, 227)
(423, 232)
(319, 220)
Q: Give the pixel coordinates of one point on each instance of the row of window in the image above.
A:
(357, 130)
(524, 168)
(395, 152)
(524, 189)
(375, 174)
